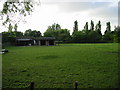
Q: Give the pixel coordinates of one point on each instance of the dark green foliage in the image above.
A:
(75, 28)
(92, 25)
(108, 28)
(86, 26)
(108, 36)
(18, 33)
(116, 34)
(15, 27)
(76, 37)
(30, 33)
(63, 35)
(55, 30)
(8, 38)
(92, 37)
(98, 32)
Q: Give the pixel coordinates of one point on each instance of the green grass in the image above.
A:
(92, 65)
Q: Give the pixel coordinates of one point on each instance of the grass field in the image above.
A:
(92, 65)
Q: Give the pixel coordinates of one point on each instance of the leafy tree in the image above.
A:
(18, 34)
(116, 34)
(108, 28)
(13, 8)
(75, 28)
(8, 37)
(10, 8)
(92, 25)
(86, 28)
(36, 33)
(49, 32)
(56, 31)
(64, 35)
(52, 30)
(98, 32)
(92, 37)
(107, 34)
(10, 28)
(76, 37)
(15, 27)
(10, 20)
(30, 33)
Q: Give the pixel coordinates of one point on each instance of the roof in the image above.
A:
(37, 38)
(46, 38)
(24, 39)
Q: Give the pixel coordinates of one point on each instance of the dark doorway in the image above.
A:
(51, 42)
(43, 42)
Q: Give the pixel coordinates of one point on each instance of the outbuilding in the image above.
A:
(24, 42)
(41, 41)
(45, 41)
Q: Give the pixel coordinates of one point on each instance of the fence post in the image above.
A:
(32, 86)
(76, 84)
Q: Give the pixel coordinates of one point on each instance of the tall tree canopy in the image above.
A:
(32, 33)
(108, 27)
(92, 25)
(75, 28)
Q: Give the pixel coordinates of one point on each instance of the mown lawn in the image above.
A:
(92, 65)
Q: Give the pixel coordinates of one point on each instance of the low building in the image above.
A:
(24, 42)
(41, 41)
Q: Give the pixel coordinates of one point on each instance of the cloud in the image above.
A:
(78, 1)
(80, 6)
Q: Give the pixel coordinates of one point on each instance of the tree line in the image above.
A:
(92, 35)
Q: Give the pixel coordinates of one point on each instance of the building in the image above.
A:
(41, 41)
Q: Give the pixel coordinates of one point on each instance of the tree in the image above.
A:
(52, 30)
(28, 32)
(92, 37)
(18, 34)
(98, 32)
(92, 25)
(11, 9)
(75, 28)
(76, 37)
(48, 32)
(8, 37)
(12, 13)
(15, 27)
(86, 26)
(64, 35)
(56, 31)
(116, 34)
(107, 34)
(10, 28)
(108, 28)
(34, 33)
(85, 30)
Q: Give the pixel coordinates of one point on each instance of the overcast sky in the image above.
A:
(65, 13)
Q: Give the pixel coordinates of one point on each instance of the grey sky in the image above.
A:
(65, 12)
